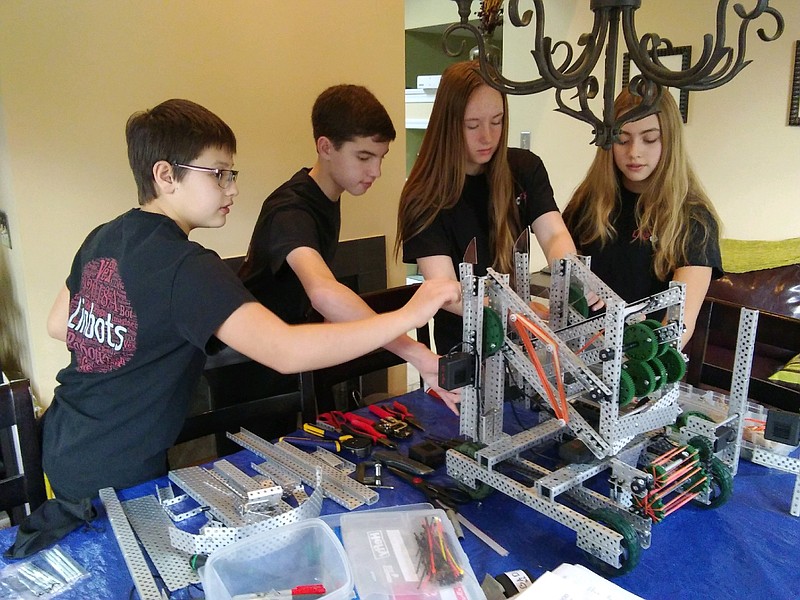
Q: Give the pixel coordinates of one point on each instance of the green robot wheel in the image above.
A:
(639, 342)
(674, 363)
(644, 379)
(493, 336)
(631, 549)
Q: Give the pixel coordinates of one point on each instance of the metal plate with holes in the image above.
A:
(152, 525)
(137, 565)
(336, 485)
(213, 537)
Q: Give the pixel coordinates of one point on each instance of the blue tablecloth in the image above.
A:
(747, 548)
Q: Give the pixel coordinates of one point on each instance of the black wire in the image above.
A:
(460, 346)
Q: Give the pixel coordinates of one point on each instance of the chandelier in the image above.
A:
(717, 65)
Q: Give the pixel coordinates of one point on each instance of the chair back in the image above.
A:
(380, 301)
(22, 488)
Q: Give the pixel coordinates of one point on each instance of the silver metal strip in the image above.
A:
(222, 503)
(568, 477)
(137, 565)
(152, 525)
(213, 537)
(246, 486)
(740, 382)
(336, 485)
(593, 537)
(512, 445)
(285, 478)
(761, 456)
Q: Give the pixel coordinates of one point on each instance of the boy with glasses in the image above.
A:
(143, 306)
(289, 261)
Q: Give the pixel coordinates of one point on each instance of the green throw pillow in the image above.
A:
(789, 373)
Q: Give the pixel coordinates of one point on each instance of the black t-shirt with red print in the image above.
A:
(144, 305)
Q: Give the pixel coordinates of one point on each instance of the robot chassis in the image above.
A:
(657, 460)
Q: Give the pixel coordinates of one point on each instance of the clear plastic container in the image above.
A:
(302, 553)
(407, 555)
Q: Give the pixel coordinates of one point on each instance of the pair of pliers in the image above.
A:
(334, 418)
(389, 423)
(437, 494)
(402, 413)
(365, 426)
(355, 425)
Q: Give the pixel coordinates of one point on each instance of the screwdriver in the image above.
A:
(359, 446)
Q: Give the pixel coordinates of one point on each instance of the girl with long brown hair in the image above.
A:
(642, 215)
(467, 184)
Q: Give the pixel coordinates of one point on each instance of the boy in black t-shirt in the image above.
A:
(143, 306)
(290, 257)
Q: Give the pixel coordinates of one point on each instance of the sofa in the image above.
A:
(775, 293)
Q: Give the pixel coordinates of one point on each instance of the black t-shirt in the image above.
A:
(454, 228)
(626, 263)
(144, 305)
(298, 214)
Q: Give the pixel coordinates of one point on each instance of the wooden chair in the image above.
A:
(22, 488)
(269, 417)
(380, 301)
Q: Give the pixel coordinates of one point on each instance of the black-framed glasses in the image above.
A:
(225, 177)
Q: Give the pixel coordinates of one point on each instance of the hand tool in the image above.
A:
(404, 463)
(300, 592)
(402, 412)
(445, 496)
(363, 426)
(354, 425)
(374, 480)
(389, 424)
(359, 447)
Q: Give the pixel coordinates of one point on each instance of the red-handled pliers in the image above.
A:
(334, 418)
(390, 423)
(396, 411)
(363, 426)
(402, 413)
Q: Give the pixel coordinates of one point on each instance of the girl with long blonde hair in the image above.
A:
(642, 215)
(467, 184)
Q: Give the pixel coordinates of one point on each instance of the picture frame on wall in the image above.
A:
(794, 102)
(677, 59)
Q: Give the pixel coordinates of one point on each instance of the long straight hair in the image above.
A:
(438, 175)
(672, 199)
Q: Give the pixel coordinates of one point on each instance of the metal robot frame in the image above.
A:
(574, 365)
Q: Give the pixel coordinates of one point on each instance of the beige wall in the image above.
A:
(72, 72)
(739, 142)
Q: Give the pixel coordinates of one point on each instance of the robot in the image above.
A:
(608, 385)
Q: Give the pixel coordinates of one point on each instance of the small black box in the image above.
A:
(456, 370)
(783, 427)
(428, 453)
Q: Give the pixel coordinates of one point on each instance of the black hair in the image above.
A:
(177, 131)
(346, 111)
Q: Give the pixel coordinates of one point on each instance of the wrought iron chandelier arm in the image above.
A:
(569, 75)
(733, 67)
(514, 16)
(643, 53)
(585, 114)
(716, 65)
(490, 74)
